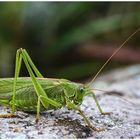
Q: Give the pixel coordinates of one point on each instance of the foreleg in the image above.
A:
(73, 106)
(99, 107)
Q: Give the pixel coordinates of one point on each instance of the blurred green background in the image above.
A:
(68, 39)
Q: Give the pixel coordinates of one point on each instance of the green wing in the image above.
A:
(6, 86)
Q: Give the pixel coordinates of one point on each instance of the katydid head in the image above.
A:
(80, 92)
(75, 92)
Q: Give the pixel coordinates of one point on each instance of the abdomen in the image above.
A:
(26, 97)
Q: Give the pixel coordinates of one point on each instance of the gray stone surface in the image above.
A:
(122, 99)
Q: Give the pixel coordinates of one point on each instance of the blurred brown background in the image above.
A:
(68, 39)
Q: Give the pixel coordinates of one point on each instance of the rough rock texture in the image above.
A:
(122, 99)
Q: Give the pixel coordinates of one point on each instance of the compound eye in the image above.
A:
(81, 89)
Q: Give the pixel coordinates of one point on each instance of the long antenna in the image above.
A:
(126, 100)
(94, 78)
